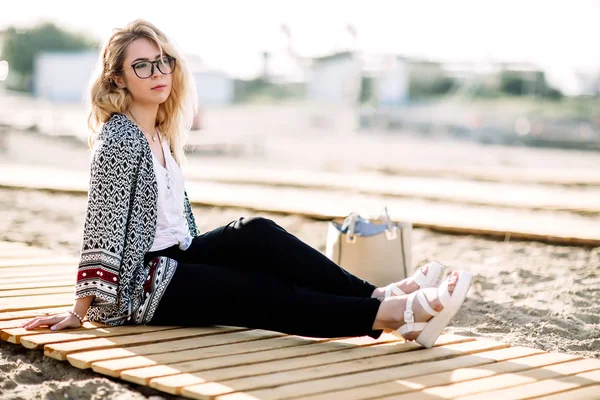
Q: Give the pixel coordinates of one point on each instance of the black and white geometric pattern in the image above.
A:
(162, 270)
(119, 228)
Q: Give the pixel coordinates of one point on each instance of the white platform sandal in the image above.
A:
(432, 329)
(433, 278)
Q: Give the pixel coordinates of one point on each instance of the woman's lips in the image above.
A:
(159, 87)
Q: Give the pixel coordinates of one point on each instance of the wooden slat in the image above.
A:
(548, 386)
(36, 341)
(306, 368)
(31, 252)
(234, 355)
(457, 191)
(38, 270)
(85, 359)
(26, 262)
(556, 176)
(502, 381)
(13, 323)
(549, 226)
(7, 316)
(479, 220)
(114, 367)
(373, 383)
(582, 393)
(38, 291)
(22, 249)
(60, 351)
(37, 281)
(12, 282)
(15, 246)
(35, 302)
(393, 389)
(14, 335)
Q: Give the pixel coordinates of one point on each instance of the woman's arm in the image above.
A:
(82, 304)
(114, 165)
(63, 320)
(112, 171)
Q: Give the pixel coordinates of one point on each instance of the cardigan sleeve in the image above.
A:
(112, 175)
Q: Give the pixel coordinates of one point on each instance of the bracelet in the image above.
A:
(77, 315)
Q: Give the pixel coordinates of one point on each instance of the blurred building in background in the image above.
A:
(215, 88)
(391, 86)
(2, 38)
(63, 76)
(335, 78)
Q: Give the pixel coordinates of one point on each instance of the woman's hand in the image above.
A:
(54, 322)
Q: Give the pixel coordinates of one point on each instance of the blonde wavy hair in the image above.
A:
(175, 115)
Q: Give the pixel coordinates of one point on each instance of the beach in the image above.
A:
(524, 292)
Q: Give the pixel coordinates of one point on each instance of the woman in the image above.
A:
(143, 260)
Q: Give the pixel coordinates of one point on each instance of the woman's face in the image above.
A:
(143, 79)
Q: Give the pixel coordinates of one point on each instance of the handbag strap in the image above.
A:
(388, 220)
(351, 237)
(392, 230)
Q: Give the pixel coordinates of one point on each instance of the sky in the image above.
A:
(559, 36)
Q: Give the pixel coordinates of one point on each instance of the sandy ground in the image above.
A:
(524, 293)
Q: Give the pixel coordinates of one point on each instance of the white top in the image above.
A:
(171, 227)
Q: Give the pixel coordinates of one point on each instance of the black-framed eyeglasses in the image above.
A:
(145, 69)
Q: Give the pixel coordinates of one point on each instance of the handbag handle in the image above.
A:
(351, 237)
(392, 230)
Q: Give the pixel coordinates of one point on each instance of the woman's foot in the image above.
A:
(390, 316)
(408, 285)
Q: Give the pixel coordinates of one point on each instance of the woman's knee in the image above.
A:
(255, 224)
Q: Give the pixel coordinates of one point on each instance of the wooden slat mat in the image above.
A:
(232, 363)
(544, 215)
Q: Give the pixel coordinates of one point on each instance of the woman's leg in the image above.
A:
(200, 295)
(260, 244)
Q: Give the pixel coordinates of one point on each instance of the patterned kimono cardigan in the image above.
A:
(119, 228)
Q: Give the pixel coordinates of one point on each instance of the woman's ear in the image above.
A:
(118, 81)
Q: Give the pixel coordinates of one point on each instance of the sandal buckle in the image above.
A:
(409, 316)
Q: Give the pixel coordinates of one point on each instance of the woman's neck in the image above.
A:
(144, 115)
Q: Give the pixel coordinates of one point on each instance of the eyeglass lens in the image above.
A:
(145, 69)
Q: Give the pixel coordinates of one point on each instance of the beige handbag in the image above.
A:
(377, 250)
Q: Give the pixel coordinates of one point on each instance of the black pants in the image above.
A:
(253, 273)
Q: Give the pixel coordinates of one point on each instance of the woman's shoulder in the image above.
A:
(119, 138)
(119, 131)
(119, 128)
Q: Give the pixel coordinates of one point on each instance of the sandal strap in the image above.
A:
(409, 315)
(392, 288)
(417, 326)
(420, 278)
(425, 304)
(444, 294)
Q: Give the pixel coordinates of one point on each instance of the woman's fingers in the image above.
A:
(34, 323)
(29, 323)
(60, 325)
(54, 322)
(68, 321)
(39, 321)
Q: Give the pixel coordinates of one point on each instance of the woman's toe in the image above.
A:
(452, 280)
